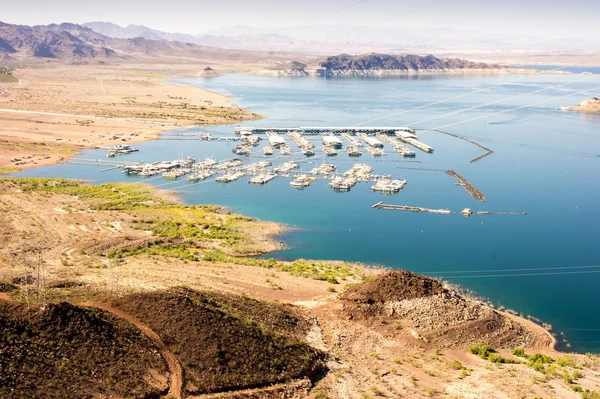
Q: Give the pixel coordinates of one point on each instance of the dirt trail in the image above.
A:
(543, 340)
(176, 374)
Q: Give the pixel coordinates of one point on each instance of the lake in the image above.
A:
(545, 162)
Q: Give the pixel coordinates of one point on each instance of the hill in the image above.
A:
(226, 343)
(442, 317)
(63, 350)
(374, 63)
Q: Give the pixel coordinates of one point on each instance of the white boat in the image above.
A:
(302, 181)
(268, 150)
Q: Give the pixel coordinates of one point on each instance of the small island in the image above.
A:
(209, 72)
(591, 105)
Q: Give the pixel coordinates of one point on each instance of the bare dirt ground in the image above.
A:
(72, 107)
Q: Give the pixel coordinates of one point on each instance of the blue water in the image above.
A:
(572, 69)
(546, 162)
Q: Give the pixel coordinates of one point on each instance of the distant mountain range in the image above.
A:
(76, 43)
(323, 40)
(80, 44)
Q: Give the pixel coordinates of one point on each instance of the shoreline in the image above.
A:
(45, 116)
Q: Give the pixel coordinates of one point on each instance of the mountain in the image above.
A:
(440, 37)
(77, 43)
(130, 31)
(53, 41)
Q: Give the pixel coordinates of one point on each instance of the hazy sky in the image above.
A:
(542, 18)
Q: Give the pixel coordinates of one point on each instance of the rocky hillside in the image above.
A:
(64, 351)
(53, 41)
(431, 313)
(387, 64)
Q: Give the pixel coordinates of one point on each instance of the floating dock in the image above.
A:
(330, 140)
(411, 139)
(262, 179)
(465, 212)
(275, 140)
(243, 130)
(389, 186)
(302, 181)
(475, 193)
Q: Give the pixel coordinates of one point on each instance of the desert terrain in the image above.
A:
(179, 285)
(52, 111)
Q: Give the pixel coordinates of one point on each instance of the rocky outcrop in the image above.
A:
(293, 68)
(591, 105)
(208, 72)
(433, 314)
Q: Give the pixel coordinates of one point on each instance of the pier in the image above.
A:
(320, 130)
(475, 193)
(479, 158)
(417, 209)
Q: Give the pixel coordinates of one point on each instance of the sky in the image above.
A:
(547, 18)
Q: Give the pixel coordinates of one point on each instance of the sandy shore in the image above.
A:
(52, 112)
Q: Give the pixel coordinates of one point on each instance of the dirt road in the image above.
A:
(176, 374)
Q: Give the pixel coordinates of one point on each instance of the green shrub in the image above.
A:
(456, 365)
(483, 351)
(566, 361)
(519, 352)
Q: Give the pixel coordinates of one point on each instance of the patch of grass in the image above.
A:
(520, 352)
(537, 362)
(486, 352)
(456, 365)
(316, 270)
(587, 394)
(566, 361)
(7, 77)
(483, 351)
(5, 171)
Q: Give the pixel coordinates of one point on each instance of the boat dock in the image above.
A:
(389, 186)
(475, 193)
(411, 138)
(262, 179)
(320, 130)
(479, 158)
(418, 209)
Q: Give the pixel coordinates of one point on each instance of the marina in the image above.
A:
(321, 214)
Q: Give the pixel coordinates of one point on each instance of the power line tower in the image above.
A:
(34, 279)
